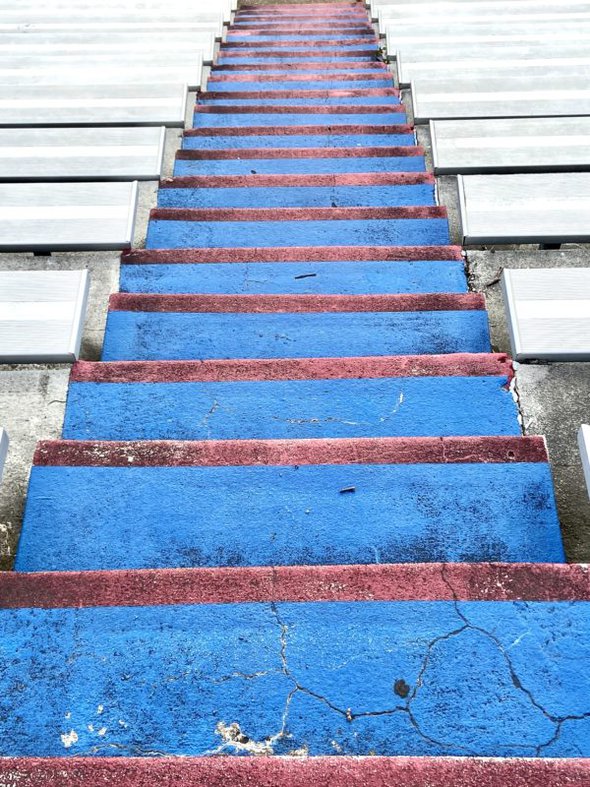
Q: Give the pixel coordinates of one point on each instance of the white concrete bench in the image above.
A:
(550, 208)
(557, 64)
(3, 449)
(36, 154)
(462, 7)
(584, 445)
(184, 67)
(114, 8)
(481, 96)
(68, 216)
(522, 145)
(93, 105)
(85, 41)
(548, 313)
(42, 315)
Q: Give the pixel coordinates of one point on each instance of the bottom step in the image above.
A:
(472, 660)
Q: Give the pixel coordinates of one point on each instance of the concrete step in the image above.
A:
(326, 661)
(210, 117)
(293, 191)
(355, 136)
(299, 161)
(186, 327)
(161, 504)
(285, 399)
(251, 227)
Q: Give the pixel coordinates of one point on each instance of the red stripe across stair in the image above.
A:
(292, 533)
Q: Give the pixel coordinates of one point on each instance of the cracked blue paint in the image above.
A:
(310, 677)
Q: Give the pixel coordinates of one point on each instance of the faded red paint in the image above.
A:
(259, 304)
(463, 365)
(343, 42)
(241, 154)
(289, 254)
(393, 582)
(262, 94)
(327, 66)
(265, 109)
(291, 77)
(289, 54)
(337, 451)
(291, 131)
(311, 181)
(297, 214)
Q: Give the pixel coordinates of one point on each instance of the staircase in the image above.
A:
(292, 512)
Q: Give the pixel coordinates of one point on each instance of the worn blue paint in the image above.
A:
(229, 120)
(304, 278)
(363, 66)
(169, 234)
(289, 409)
(485, 678)
(304, 84)
(298, 141)
(298, 101)
(302, 45)
(300, 166)
(297, 196)
(161, 336)
(287, 516)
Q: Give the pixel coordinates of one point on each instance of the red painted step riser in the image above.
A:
(311, 181)
(394, 582)
(331, 42)
(297, 214)
(242, 154)
(290, 77)
(339, 451)
(296, 304)
(352, 28)
(291, 131)
(295, 67)
(354, 109)
(287, 55)
(299, 94)
(455, 365)
(296, 772)
(293, 254)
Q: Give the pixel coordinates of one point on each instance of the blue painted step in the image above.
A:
(299, 166)
(313, 677)
(288, 409)
(156, 336)
(173, 234)
(221, 142)
(250, 196)
(336, 83)
(145, 517)
(354, 278)
(234, 120)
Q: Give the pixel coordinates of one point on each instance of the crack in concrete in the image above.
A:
(517, 682)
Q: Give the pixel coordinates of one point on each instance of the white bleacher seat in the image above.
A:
(559, 64)
(479, 96)
(584, 445)
(544, 208)
(42, 315)
(66, 216)
(93, 105)
(126, 153)
(506, 145)
(3, 449)
(548, 313)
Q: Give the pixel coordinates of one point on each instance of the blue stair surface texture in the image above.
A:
(292, 511)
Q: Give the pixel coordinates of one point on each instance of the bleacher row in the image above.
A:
(268, 524)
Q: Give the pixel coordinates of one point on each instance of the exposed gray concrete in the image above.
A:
(554, 398)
